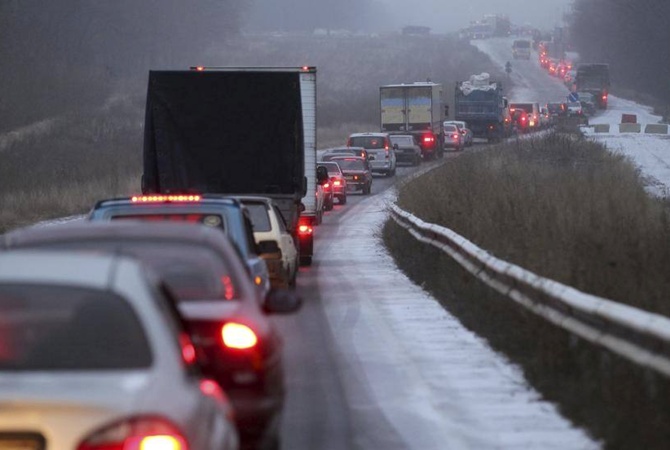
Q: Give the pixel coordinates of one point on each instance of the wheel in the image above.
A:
(319, 217)
(330, 205)
(305, 260)
(343, 200)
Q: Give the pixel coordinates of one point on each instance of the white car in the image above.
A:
(276, 245)
(468, 136)
(93, 356)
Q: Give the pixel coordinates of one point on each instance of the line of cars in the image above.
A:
(208, 375)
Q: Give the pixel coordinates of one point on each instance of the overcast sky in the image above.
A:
(451, 15)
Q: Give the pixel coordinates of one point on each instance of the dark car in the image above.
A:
(356, 172)
(557, 110)
(221, 306)
(344, 151)
(520, 121)
(337, 180)
(406, 148)
(219, 212)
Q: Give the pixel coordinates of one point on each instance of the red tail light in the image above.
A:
(236, 335)
(304, 228)
(337, 183)
(326, 185)
(138, 433)
(188, 353)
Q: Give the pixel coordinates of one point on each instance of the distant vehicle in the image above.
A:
(588, 102)
(595, 79)
(520, 121)
(326, 188)
(521, 49)
(356, 172)
(480, 102)
(381, 153)
(414, 108)
(225, 214)
(453, 138)
(468, 137)
(343, 151)
(545, 120)
(215, 297)
(275, 243)
(533, 110)
(407, 150)
(575, 109)
(556, 111)
(94, 355)
(337, 180)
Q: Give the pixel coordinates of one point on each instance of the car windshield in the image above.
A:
(259, 216)
(193, 272)
(351, 164)
(450, 128)
(55, 327)
(371, 142)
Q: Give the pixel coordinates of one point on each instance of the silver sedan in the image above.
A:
(93, 356)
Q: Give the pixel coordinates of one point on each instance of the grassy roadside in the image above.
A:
(569, 210)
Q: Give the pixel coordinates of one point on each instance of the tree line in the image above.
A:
(632, 36)
(58, 55)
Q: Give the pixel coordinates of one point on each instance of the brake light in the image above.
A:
(337, 182)
(228, 288)
(326, 185)
(187, 349)
(236, 335)
(304, 228)
(138, 433)
(605, 97)
(165, 198)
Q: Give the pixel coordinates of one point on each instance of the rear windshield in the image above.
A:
(211, 220)
(450, 128)
(528, 107)
(333, 168)
(259, 216)
(68, 328)
(407, 141)
(368, 142)
(351, 164)
(194, 272)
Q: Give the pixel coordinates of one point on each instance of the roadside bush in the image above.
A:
(569, 210)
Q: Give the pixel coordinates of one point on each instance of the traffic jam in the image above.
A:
(148, 325)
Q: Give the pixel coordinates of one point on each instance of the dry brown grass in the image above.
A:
(569, 210)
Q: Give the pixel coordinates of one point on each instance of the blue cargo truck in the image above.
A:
(480, 102)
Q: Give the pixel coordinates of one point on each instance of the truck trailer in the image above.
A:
(236, 131)
(417, 109)
(480, 102)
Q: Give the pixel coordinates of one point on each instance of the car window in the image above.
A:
(351, 164)
(368, 142)
(451, 128)
(333, 168)
(211, 220)
(280, 219)
(193, 272)
(260, 218)
(402, 140)
(55, 327)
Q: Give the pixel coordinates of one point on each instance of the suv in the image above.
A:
(381, 153)
(226, 214)
(533, 111)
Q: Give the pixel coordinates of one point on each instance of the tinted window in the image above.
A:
(406, 141)
(68, 328)
(259, 216)
(528, 107)
(333, 168)
(450, 128)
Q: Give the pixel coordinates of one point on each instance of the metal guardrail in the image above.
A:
(639, 336)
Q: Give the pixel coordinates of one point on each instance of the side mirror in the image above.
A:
(282, 301)
(395, 147)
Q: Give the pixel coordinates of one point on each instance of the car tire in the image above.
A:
(343, 200)
(330, 205)
(305, 260)
(367, 189)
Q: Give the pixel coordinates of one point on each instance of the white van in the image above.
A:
(533, 110)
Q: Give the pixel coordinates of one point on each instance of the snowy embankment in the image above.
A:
(650, 152)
